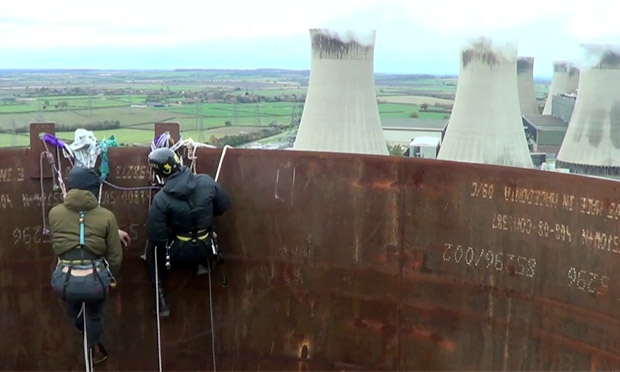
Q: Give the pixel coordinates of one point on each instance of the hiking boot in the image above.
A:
(98, 353)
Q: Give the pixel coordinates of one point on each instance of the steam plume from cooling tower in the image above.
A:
(572, 84)
(525, 85)
(592, 141)
(341, 112)
(485, 126)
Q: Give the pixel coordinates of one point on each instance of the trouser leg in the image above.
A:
(158, 280)
(74, 312)
(94, 319)
(161, 262)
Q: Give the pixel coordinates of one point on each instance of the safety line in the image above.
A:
(157, 310)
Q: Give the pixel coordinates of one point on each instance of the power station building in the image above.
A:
(486, 125)
(341, 112)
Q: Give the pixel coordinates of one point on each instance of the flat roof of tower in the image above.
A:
(546, 122)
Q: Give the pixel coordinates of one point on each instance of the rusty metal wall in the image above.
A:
(339, 262)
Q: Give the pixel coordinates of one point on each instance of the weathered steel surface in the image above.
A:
(341, 262)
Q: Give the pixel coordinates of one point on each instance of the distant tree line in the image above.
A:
(98, 125)
(240, 139)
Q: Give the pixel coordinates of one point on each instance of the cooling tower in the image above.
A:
(572, 82)
(592, 141)
(485, 126)
(559, 81)
(525, 84)
(341, 113)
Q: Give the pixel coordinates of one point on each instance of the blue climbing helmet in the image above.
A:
(164, 161)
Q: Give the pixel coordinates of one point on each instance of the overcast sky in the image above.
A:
(412, 36)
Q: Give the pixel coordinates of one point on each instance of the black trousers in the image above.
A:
(94, 319)
(161, 262)
(182, 254)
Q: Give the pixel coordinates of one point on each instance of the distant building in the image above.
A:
(401, 131)
(562, 106)
(545, 133)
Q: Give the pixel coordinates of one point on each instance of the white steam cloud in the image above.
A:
(364, 38)
(504, 48)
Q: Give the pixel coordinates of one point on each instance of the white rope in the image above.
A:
(217, 175)
(157, 309)
(192, 146)
(219, 166)
(100, 193)
(87, 360)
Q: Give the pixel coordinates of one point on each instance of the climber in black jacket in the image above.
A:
(180, 224)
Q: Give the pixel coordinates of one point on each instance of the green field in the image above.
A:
(137, 123)
(99, 99)
(7, 140)
(128, 137)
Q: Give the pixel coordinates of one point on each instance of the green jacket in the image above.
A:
(100, 231)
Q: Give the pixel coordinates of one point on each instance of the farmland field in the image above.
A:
(85, 118)
(415, 100)
(205, 102)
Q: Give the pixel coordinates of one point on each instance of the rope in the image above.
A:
(55, 170)
(45, 229)
(146, 243)
(211, 314)
(87, 360)
(163, 140)
(157, 309)
(100, 193)
(130, 188)
(219, 166)
(193, 146)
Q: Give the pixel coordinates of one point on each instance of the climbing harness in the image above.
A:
(168, 247)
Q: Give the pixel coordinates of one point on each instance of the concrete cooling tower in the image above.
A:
(592, 141)
(485, 125)
(341, 113)
(573, 79)
(559, 82)
(525, 84)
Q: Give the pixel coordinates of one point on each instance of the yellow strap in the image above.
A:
(189, 239)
